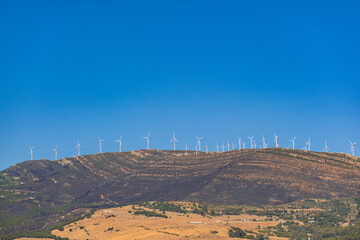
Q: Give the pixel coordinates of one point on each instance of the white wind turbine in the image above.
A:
(217, 147)
(186, 148)
(293, 142)
(199, 142)
(100, 144)
(233, 146)
(239, 139)
(147, 140)
(174, 140)
(120, 142)
(251, 139)
(254, 144)
(31, 153)
(276, 140)
(352, 147)
(78, 146)
(243, 145)
(305, 148)
(264, 143)
(196, 149)
(228, 145)
(326, 148)
(223, 147)
(206, 149)
(308, 144)
(55, 150)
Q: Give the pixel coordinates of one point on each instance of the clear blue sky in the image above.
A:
(219, 69)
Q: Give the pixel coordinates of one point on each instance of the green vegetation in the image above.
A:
(236, 232)
(163, 206)
(149, 213)
(46, 233)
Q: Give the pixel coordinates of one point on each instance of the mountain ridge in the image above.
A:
(250, 176)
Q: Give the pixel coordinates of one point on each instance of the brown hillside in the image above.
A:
(270, 176)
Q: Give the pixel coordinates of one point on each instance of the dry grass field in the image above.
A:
(121, 223)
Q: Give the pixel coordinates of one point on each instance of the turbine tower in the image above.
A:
(174, 140)
(293, 142)
(233, 146)
(55, 150)
(186, 148)
(223, 147)
(31, 153)
(239, 139)
(228, 145)
(206, 149)
(263, 142)
(352, 147)
(254, 144)
(196, 149)
(147, 140)
(100, 144)
(243, 145)
(78, 146)
(217, 147)
(199, 142)
(251, 139)
(326, 148)
(308, 144)
(120, 143)
(276, 140)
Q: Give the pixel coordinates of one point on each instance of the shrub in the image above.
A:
(236, 232)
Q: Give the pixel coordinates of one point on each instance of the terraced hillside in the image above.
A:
(36, 195)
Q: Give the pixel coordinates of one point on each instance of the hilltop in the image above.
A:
(36, 195)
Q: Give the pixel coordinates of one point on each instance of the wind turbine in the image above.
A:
(217, 147)
(186, 148)
(199, 142)
(120, 143)
(308, 144)
(100, 144)
(196, 149)
(239, 139)
(78, 146)
(305, 148)
(233, 146)
(55, 150)
(206, 149)
(251, 139)
(276, 140)
(352, 147)
(243, 145)
(147, 140)
(223, 147)
(254, 144)
(264, 143)
(293, 142)
(228, 145)
(31, 152)
(174, 140)
(326, 148)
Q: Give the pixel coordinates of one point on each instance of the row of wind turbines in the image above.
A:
(228, 147)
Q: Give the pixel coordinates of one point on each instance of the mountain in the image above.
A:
(35, 195)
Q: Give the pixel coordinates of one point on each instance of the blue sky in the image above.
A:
(220, 69)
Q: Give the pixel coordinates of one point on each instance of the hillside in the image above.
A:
(36, 195)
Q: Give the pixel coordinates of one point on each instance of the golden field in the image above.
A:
(121, 223)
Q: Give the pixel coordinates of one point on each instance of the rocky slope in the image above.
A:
(269, 176)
